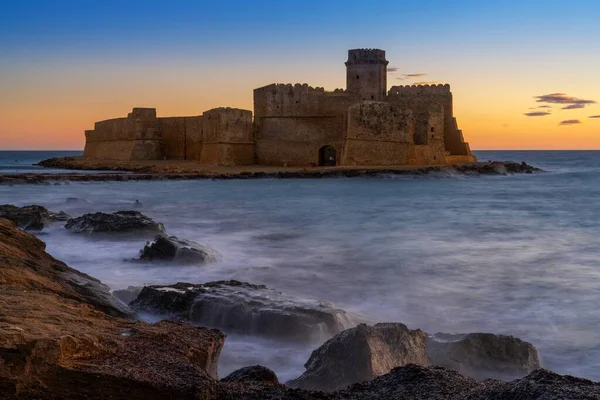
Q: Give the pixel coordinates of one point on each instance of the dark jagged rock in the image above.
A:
(360, 354)
(132, 222)
(170, 248)
(255, 373)
(413, 382)
(245, 308)
(127, 295)
(540, 384)
(31, 218)
(76, 200)
(484, 355)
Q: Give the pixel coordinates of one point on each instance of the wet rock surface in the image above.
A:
(127, 295)
(62, 336)
(60, 341)
(484, 355)
(171, 248)
(31, 218)
(123, 222)
(245, 308)
(255, 373)
(360, 354)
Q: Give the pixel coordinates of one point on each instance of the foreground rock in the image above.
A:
(63, 336)
(245, 308)
(170, 248)
(365, 352)
(31, 218)
(130, 222)
(415, 382)
(255, 373)
(484, 355)
(361, 354)
(58, 341)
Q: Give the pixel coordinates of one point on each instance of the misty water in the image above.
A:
(513, 254)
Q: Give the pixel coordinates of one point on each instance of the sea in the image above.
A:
(515, 254)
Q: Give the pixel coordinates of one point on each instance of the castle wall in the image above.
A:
(378, 133)
(181, 137)
(295, 141)
(227, 137)
(173, 137)
(132, 138)
(418, 98)
(193, 138)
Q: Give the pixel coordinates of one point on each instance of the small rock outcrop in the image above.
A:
(131, 222)
(245, 308)
(127, 295)
(171, 248)
(31, 218)
(484, 355)
(255, 373)
(360, 354)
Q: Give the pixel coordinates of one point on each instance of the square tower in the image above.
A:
(366, 73)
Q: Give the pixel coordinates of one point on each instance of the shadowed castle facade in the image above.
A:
(298, 125)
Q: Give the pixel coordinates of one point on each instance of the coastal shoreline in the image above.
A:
(191, 170)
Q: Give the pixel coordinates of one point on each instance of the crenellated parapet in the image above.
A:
(412, 90)
(296, 100)
(366, 57)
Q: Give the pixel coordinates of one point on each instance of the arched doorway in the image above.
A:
(327, 156)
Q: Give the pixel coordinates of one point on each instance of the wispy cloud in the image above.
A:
(537, 114)
(544, 106)
(573, 106)
(428, 83)
(561, 98)
(392, 69)
(594, 116)
(410, 76)
(505, 125)
(570, 122)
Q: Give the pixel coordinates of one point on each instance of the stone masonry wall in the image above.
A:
(292, 122)
(295, 141)
(227, 137)
(418, 98)
(181, 137)
(378, 133)
(132, 138)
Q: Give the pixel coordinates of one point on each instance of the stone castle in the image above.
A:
(298, 125)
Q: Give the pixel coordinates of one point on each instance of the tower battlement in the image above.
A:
(410, 90)
(366, 56)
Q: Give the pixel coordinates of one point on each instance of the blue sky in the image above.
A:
(103, 54)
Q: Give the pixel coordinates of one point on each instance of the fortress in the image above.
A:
(298, 125)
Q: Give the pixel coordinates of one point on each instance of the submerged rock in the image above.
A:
(132, 222)
(169, 248)
(31, 218)
(255, 373)
(360, 354)
(484, 355)
(76, 200)
(245, 308)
